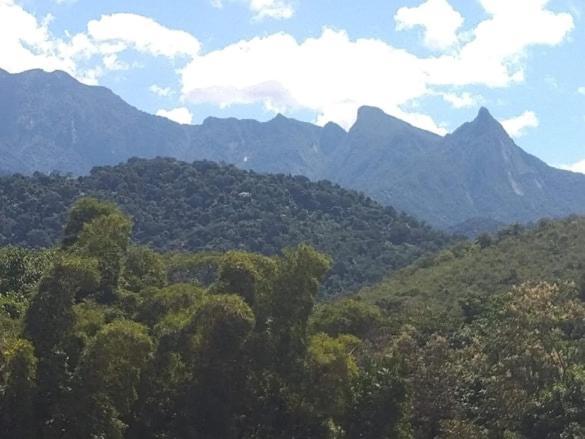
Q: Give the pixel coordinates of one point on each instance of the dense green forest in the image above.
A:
(102, 338)
(456, 283)
(208, 207)
(97, 342)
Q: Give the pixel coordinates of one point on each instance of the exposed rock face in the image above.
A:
(49, 121)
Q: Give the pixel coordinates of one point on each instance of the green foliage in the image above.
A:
(18, 386)
(171, 301)
(220, 328)
(143, 268)
(238, 275)
(207, 207)
(348, 316)
(113, 362)
(51, 317)
(455, 285)
(106, 239)
(332, 369)
(235, 345)
(121, 342)
(84, 211)
(107, 380)
(21, 270)
(376, 409)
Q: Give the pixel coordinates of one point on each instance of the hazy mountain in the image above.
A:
(474, 227)
(49, 121)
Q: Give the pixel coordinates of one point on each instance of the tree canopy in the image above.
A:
(209, 207)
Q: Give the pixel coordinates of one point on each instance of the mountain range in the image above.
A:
(476, 175)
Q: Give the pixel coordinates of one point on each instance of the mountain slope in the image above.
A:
(458, 280)
(476, 172)
(207, 207)
(49, 121)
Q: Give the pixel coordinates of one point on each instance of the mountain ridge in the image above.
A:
(49, 121)
(205, 206)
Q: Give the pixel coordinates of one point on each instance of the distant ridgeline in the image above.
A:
(208, 207)
(477, 176)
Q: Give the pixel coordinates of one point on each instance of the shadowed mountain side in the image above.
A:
(49, 121)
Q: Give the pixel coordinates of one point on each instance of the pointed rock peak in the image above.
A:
(370, 116)
(485, 117)
(279, 119)
(484, 113)
(483, 125)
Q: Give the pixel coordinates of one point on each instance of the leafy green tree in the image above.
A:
(107, 380)
(18, 387)
(172, 301)
(377, 408)
(50, 318)
(106, 239)
(143, 268)
(296, 286)
(349, 316)
(21, 269)
(49, 325)
(560, 411)
(332, 369)
(238, 275)
(83, 212)
(213, 342)
(433, 378)
(526, 348)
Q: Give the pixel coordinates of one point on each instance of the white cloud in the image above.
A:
(111, 62)
(333, 75)
(581, 90)
(276, 9)
(494, 55)
(463, 100)
(330, 75)
(279, 9)
(517, 126)
(439, 19)
(179, 115)
(575, 167)
(164, 92)
(27, 43)
(144, 35)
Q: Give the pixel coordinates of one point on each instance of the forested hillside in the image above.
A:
(207, 207)
(456, 283)
(101, 338)
(96, 342)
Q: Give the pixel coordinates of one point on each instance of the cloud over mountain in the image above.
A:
(329, 75)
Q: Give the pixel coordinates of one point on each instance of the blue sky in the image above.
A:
(430, 62)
